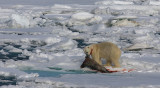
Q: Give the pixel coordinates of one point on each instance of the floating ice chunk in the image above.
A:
(112, 2)
(11, 72)
(22, 21)
(65, 44)
(142, 31)
(60, 9)
(58, 6)
(138, 46)
(4, 73)
(9, 64)
(26, 76)
(69, 62)
(154, 2)
(52, 40)
(141, 2)
(5, 13)
(15, 50)
(123, 2)
(9, 47)
(96, 19)
(97, 39)
(126, 17)
(104, 3)
(101, 10)
(124, 22)
(3, 52)
(68, 44)
(17, 6)
(143, 39)
(82, 16)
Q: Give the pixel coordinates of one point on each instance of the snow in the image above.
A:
(41, 42)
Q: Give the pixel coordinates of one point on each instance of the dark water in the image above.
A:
(8, 55)
(81, 43)
(8, 80)
(11, 55)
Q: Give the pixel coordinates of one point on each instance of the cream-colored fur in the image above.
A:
(105, 50)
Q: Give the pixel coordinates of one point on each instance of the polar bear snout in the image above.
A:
(86, 51)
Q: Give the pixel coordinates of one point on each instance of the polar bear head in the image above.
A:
(88, 50)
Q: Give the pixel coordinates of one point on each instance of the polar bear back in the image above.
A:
(108, 50)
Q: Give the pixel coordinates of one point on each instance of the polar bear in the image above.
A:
(106, 50)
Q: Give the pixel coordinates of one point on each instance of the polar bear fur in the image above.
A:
(106, 50)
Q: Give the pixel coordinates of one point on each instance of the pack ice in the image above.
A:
(41, 45)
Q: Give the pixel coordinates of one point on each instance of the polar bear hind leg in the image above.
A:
(108, 63)
(116, 64)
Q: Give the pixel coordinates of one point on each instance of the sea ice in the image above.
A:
(22, 21)
(48, 42)
(82, 16)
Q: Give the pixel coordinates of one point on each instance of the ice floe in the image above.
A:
(42, 46)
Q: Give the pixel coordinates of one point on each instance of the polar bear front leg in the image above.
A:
(97, 59)
(116, 64)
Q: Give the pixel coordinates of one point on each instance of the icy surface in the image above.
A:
(41, 42)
